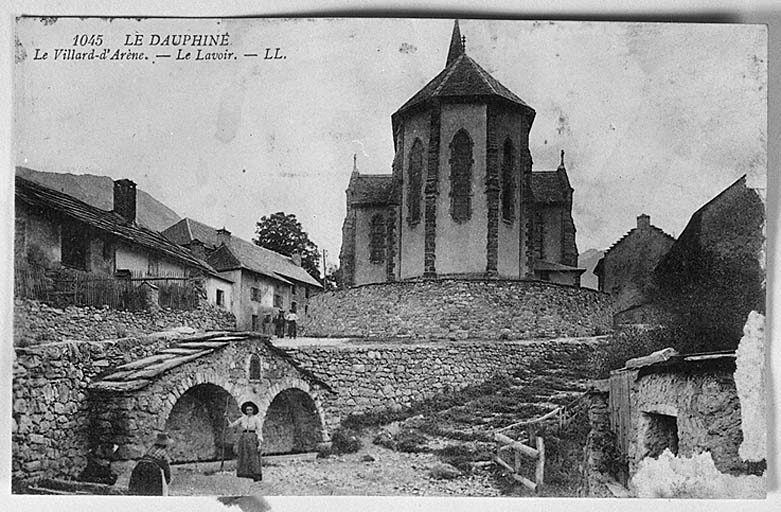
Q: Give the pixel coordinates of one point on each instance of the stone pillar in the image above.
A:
(492, 191)
(431, 195)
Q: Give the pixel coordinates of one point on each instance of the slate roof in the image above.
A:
(248, 255)
(45, 199)
(548, 187)
(629, 233)
(139, 374)
(463, 77)
(371, 189)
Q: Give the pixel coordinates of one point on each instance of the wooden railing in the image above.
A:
(560, 417)
(519, 450)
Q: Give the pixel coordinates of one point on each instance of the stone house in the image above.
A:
(714, 274)
(55, 230)
(626, 269)
(685, 403)
(462, 200)
(265, 281)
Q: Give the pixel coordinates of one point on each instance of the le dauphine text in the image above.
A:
(138, 46)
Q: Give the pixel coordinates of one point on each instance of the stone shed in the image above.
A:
(688, 404)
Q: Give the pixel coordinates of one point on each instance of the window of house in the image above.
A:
(278, 300)
(255, 294)
(461, 176)
(255, 323)
(294, 290)
(74, 247)
(306, 292)
(254, 367)
(508, 181)
(657, 432)
(220, 298)
(377, 239)
(415, 185)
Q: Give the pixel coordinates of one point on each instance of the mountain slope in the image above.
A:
(99, 192)
(589, 260)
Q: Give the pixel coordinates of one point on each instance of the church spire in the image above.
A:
(456, 45)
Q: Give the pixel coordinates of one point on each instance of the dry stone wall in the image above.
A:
(36, 322)
(50, 424)
(458, 309)
(373, 378)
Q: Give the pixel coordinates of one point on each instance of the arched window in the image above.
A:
(508, 181)
(254, 367)
(377, 239)
(461, 176)
(415, 184)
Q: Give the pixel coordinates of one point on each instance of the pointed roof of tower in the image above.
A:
(462, 78)
(456, 45)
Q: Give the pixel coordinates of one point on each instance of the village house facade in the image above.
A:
(265, 281)
(462, 199)
(626, 269)
(54, 230)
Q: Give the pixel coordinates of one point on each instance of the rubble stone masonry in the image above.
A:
(373, 378)
(36, 322)
(460, 309)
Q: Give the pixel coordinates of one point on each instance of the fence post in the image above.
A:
(539, 475)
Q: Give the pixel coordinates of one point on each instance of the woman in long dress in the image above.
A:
(152, 473)
(249, 443)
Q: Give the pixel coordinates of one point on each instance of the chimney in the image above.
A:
(125, 199)
(296, 257)
(223, 236)
(197, 248)
(643, 221)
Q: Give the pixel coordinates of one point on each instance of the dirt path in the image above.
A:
(391, 473)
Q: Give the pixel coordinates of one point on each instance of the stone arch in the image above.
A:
(196, 424)
(293, 419)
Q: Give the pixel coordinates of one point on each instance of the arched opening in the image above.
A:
(292, 424)
(197, 427)
(254, 367)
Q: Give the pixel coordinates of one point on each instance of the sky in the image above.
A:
(654, 118)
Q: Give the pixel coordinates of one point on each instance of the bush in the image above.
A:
(410, 441)
(345, 440)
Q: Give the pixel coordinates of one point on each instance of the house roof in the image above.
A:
(46, 199)
(142, 372)
(669, 358)
(246, 254)
(548, 187)
(371, 189)
(631, 231)
(462, 78)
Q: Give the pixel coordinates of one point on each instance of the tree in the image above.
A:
(283, 233)
(333, 278)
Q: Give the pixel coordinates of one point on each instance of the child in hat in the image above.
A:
(152, 473)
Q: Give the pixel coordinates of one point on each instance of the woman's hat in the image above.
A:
(249, 403)
(162, 439)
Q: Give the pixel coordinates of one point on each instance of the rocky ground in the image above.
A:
(390, 473)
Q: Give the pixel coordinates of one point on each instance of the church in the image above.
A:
(462, 200)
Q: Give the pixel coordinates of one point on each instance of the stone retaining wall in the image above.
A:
(376, 378)
(36, 322)
(50, 423)
(460, 309)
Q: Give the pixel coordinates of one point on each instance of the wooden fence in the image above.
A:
(520, 450)
(558, 419)
(67, 287)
